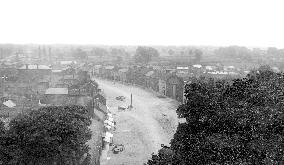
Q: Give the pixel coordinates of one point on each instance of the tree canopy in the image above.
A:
(145, 54)
(80, 54)
(231, 122)
(56, 134)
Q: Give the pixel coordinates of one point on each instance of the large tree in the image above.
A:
(47, 136)
(232, 122)
(80, 54)
(145, 54)
(234, 52)
(100, 52)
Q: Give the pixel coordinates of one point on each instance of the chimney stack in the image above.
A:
(27, 66)
(36, 66)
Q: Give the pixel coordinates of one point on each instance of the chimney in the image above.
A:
(36, 66)
(27, 66)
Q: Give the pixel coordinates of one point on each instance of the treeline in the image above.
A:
(237, 122)
(54, 135)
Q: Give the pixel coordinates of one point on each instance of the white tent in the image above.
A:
(108, 137)
(9, 103)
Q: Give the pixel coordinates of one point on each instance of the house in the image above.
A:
(74, 90)
(148, 78)
(108, 72)
(89, 89)
(34, 70)
(100, 98)
(97, 69)
(174, 87)
(162, 86)
(70, 80)
(43, 84)
(56, 96)
(123, 74)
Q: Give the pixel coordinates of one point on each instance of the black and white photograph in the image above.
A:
(141, 82)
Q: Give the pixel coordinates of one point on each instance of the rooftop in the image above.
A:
(43, 67)
(56, 91)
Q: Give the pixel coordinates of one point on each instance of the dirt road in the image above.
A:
(143, 129)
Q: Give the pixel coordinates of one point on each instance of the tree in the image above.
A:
(171, 52)
(232, 122)
(80, 54)
(48, 135)
(234, 52)
(145, 54)
(100, 52)
(198, 55)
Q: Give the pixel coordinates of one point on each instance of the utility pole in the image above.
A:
(131, 101)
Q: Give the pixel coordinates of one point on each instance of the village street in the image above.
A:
(142, 130)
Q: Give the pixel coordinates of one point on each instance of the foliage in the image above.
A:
(145, 54)
(56, 134)
(198, 55)
(234, 52)
(171, 52)
(237, 122)
(101, 52)
(80, 54)
(2, 128)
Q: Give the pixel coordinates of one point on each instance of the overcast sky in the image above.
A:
(143, 22)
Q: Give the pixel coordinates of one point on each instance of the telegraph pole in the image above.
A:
(131, 101)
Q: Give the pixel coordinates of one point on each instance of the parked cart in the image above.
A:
(117, 148)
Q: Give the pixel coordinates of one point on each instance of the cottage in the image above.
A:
(108, 72)
(89, 88)
(70, 80)
(122, 74)
(74, 90)
(97, 69)
(162, 86)
(56, 96)
(175, 87)
(100, 98)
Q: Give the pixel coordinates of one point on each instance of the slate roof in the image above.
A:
(56, 91)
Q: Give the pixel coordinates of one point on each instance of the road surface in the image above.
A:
(142, 130)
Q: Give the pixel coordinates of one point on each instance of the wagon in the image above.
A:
(121, 108)
(118, 148)
(121, 98)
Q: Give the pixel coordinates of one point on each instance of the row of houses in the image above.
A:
(166, 80)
